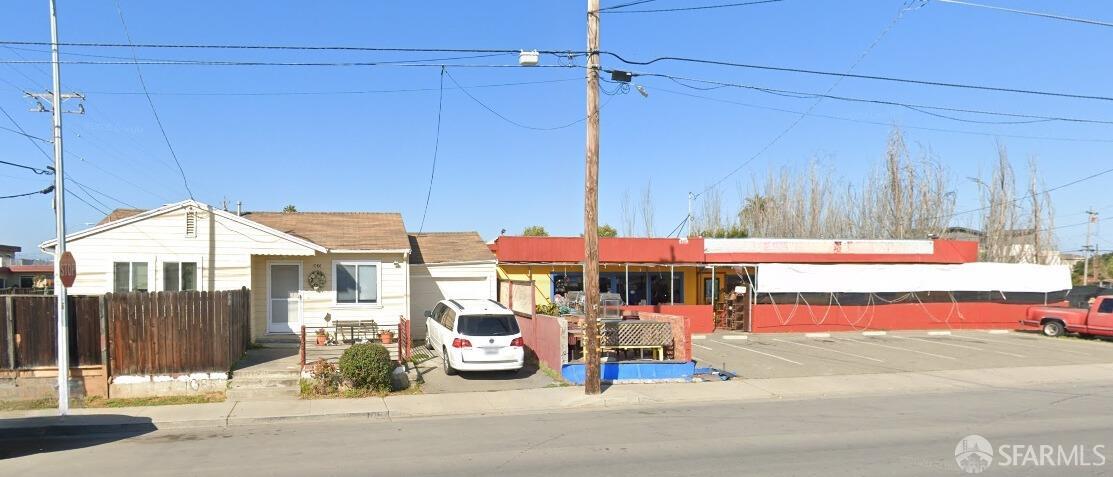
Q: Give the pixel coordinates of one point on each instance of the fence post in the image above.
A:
(9, 323)
(302, 347)
(102, 309)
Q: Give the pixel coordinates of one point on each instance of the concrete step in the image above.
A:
(245, 374)
(264, 383)
(262, 394)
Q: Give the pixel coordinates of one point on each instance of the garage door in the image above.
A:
(426, 291)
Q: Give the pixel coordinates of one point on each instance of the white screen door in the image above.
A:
(285, 300)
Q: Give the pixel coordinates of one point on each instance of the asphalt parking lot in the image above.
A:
(828, 354)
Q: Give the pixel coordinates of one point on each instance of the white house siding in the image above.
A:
(392, 304)
(431, 283)
(221, 247)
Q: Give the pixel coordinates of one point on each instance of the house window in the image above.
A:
(3, 283)
(129, 276)
(26, 281)
(357, 282)
(179, 276)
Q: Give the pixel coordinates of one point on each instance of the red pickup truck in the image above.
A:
(1055, 320)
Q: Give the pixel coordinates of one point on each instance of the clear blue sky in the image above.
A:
(373, 151)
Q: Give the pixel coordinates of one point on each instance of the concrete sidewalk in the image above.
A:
(241, 413)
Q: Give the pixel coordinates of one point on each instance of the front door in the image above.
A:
(284, 307)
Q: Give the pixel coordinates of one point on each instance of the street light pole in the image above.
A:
(592, 383)
(59, 220)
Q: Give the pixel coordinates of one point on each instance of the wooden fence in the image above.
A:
(133, 333)
(28, 338)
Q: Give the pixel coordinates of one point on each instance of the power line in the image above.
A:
(999, 89)
(911, 106)
(857, 61)
(508, 120)
(417, 60)
(338, 92)
(285, 47)
(1026, 196)
(436, 149)
(624, 5)
(32, 169)
(75, 196)
(154, 111)
(885, 124)
(47, 190)
(281, 63)
(21, 133)
(66, 176)
(1030, 13)
(683, 9)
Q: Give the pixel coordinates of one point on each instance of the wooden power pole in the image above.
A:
(592, 384)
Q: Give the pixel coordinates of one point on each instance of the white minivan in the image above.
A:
(474, 335)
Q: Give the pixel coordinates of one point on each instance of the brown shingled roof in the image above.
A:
(334, 230)
(448, 247)
(340, 230)
(120, 214)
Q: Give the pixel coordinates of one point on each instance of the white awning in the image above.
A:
(981, 276)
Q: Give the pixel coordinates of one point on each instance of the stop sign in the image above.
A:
(68, 269)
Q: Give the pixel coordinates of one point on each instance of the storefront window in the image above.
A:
(645, 288)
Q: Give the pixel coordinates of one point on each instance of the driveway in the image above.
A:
(826, 354)
(436, 382)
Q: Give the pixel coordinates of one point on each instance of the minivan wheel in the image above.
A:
(1053, 328)
(446, 365)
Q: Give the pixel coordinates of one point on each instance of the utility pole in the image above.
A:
(1093, 219)
(1088, 248)
(59, 220)
(592, 383)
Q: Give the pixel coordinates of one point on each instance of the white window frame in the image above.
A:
(378, 284)
(151, 275)
(162, 273)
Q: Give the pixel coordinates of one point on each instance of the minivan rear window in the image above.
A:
(487, 325)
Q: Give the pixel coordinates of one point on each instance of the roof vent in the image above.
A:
(191, 223)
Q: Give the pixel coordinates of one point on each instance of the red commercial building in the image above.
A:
(763, 285)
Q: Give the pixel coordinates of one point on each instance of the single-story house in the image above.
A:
(300, 266)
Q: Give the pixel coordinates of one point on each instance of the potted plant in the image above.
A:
(386, 336)
(322, 337)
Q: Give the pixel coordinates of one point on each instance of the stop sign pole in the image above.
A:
(60, 223)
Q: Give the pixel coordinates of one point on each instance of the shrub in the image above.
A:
(326, 379)
(367, 366)
(551, 309)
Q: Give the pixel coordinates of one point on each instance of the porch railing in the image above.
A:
(329, 342)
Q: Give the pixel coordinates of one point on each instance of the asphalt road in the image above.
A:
(904, 435)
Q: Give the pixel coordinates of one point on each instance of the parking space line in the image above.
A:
(975, 348)
(901, 349)
(831, 350)
(743, 348)
(1026, 345)
(702, 346)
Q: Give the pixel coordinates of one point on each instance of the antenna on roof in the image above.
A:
(239, 207)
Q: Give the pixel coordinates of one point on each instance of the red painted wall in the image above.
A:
(543, 335)
(614, 250)
(701, 317)
(946, 251)
(902, 316)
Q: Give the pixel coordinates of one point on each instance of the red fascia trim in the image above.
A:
(32, 269)
(611, 250)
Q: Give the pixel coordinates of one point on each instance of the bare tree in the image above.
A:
(646, 205)
(903, 198)
(629, 215)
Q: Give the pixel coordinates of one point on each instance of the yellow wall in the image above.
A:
(540, 274)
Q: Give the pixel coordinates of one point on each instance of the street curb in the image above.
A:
(252, 421)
